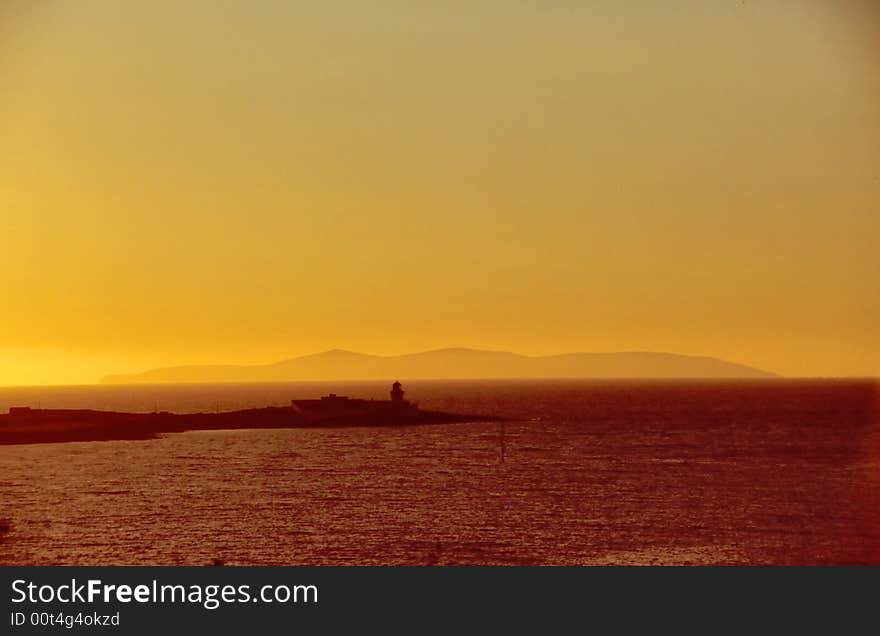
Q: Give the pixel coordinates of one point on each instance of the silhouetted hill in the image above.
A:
(454, 364)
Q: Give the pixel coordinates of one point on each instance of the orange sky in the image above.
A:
(230, 181)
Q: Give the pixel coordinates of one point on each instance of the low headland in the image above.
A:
(25, 425)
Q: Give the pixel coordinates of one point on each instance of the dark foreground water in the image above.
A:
(784, 472)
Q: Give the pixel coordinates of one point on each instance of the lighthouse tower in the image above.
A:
(397, 394)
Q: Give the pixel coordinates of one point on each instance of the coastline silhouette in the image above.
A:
(26, 425)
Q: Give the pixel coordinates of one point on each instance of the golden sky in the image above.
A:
(233, 181)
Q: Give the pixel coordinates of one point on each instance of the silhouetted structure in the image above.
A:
(397, 394)
(334, 406)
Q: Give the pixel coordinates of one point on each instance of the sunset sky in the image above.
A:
(236, 181)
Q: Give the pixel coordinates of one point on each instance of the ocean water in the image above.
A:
(764, 472)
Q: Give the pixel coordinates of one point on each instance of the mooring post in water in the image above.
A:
(501, 430)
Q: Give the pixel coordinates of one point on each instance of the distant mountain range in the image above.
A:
(453, 364)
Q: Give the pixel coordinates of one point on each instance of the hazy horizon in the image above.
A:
(221, 182)
(430, 364)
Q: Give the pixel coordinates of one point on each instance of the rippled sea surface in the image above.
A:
(770, 472)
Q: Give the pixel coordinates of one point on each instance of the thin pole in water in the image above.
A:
(502, 441)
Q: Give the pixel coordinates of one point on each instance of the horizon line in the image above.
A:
(777, 378)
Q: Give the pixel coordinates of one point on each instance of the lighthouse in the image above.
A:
(397, 394)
